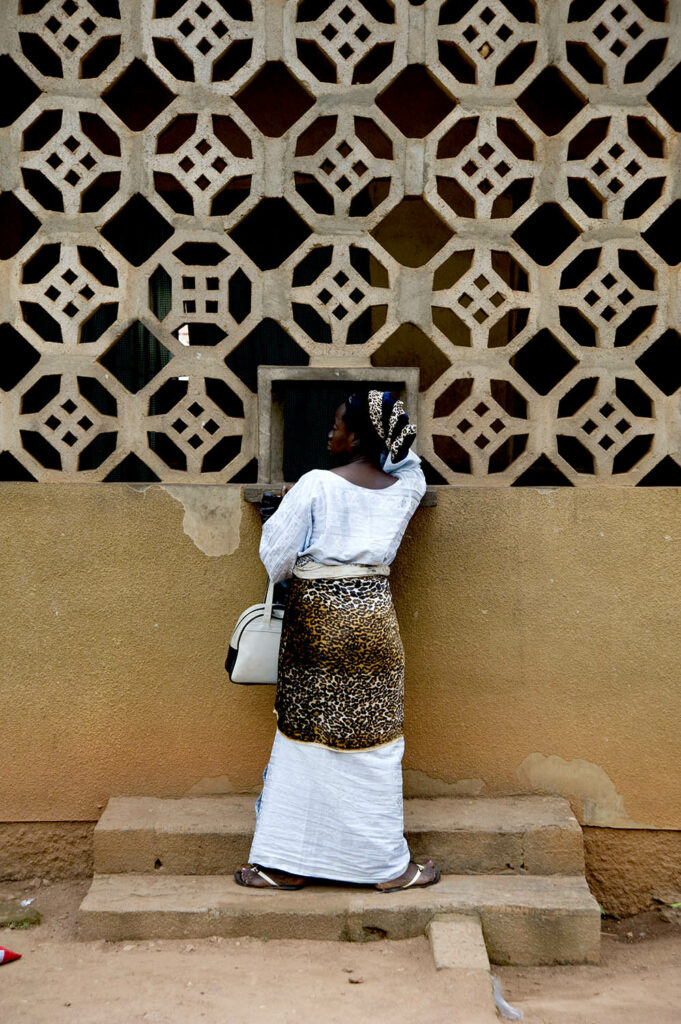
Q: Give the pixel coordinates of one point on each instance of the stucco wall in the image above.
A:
(541, 629)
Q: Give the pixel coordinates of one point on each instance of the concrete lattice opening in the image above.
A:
(370, 183)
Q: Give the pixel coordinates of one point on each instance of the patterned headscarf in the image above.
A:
(387, 417)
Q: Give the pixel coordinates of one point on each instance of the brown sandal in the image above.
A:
(413, 882)
(271, 884)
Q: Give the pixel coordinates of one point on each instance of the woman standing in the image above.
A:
(331, 805)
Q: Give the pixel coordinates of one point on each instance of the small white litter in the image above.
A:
(504, 1008)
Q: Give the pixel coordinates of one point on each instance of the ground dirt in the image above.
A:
(254, 981)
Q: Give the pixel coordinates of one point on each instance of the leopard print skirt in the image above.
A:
(341, 664)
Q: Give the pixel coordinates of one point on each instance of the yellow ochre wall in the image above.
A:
(542, 630)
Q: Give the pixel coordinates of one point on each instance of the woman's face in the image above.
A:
(340, 442)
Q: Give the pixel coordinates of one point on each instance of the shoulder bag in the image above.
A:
(254, 648)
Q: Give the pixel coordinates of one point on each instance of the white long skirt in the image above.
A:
(332, 814)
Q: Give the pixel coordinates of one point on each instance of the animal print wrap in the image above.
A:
(388, 419)
(391, 423)
(341, 664)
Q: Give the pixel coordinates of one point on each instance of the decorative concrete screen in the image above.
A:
(487, 190)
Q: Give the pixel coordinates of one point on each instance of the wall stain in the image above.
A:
(212, 515)
(419, 784)
(586, 785)
(218, 785)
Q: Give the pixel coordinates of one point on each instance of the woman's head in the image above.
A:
(370, 424)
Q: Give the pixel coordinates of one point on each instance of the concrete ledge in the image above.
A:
(458, 946)
(524, 920)
(456, 940)
(212, 835)
(537, 835)
(254, 492)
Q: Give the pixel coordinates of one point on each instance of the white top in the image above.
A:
(337, 522)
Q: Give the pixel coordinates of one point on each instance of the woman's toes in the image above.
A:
(428, 873)
(419, 874)
(249, 876)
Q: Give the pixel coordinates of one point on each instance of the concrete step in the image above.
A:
(525, 920)
(458, 946)
(458, 943)
(212, 835)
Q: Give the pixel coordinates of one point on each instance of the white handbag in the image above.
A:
(254, 648)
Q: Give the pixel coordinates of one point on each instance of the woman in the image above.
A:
(331, 805)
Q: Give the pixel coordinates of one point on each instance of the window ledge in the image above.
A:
(254, 493)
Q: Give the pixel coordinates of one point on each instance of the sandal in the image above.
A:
(270, 882)
(413, 882)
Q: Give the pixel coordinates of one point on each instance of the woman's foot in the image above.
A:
(417, 876)
(255, 877)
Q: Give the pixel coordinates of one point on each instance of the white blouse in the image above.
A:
(337, 522)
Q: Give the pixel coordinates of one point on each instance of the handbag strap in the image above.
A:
(269, 599)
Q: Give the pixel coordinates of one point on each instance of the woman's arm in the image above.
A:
(285, 533)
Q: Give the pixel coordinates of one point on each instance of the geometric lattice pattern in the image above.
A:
(484, 188)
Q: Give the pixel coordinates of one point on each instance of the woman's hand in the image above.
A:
(268, 506)
(285, 489)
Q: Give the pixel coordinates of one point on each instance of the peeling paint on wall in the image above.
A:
(591, 791)
(212, 516)
(418, 783)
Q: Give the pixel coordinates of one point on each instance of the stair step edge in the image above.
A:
(537, 921)
(236, 815)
